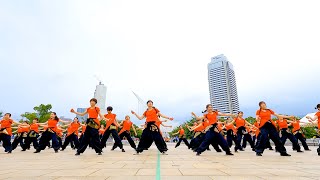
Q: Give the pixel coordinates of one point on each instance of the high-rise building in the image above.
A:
(100, 94)
(222, 85)
(82, 118)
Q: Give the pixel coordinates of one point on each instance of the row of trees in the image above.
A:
(309, 131)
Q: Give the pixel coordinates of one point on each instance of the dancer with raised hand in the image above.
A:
(316, 119)
(286, 134)
(6, 131)
(151, 132)
(125, 132)
(111, 128)
(268, 128)
(91, 133)
(72, 134)
(182, 137)
(212, 133)
(50, 134)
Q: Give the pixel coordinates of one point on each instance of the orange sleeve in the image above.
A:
(157, 110)
(105, 116)
(258, 112)
(98, 110)
(272, 112)
(145, 113)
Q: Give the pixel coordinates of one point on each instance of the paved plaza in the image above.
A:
(180, 163)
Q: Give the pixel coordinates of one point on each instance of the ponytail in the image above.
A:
(56, 117)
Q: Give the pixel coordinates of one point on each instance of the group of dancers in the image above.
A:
(208, 130)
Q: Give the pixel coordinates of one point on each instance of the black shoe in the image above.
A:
(271, 149)
(164, 153)
(259, 154)
(241, 149)
(229, 154)
(112, 149)
(136, 153)
(285, 154)
(77, 154)
(299, 150)
(123, 150)
(219, 150)
(9, 152)
(318, 150)
(253, 149)
(23, 150)
(198, 154)
(56, 151)
(61, 149)
(208, 149)
(100, 154)
(36, 151)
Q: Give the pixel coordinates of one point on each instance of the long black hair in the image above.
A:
(56, 117)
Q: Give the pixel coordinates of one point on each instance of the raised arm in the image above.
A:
(197, 117)
(283, 116)
(225, 114)
(164, 116)
(139, 117)
(77, 113)
(165, 125)
(314, 118)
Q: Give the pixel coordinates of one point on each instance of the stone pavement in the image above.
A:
(181, 163)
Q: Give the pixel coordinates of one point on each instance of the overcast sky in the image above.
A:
(51, 50)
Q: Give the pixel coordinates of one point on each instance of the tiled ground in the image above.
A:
(181, 163)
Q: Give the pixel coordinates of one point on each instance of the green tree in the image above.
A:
(309, 132)
(1, 114)
(251, 120)
(42, 112)
(29, 116)
(188, 133)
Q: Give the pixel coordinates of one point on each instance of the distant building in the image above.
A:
(101, 94)
(65, 119)
(82, 118)
(222, 85)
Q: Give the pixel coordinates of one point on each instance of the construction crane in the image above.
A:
(141, 103)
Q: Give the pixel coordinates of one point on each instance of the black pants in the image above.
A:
(247, 138)
(115, 136)
(185, 142)
(285, 135)
(30, 140)
(265, 130)
(18, 140)
(6, 142)
(231, 137)
(299, 136)
(128, 137)
(90, 135)
(151, 133)
(71, 138)
(196, 141)
(240, 136)
(45, 139)
(211, 136)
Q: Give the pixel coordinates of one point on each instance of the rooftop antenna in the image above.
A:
(98, 79)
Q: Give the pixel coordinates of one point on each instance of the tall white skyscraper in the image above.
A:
(222, 85)
(101, 94)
